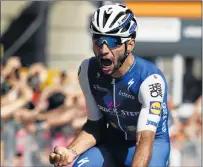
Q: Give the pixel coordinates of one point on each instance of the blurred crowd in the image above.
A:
(42, 108)
(186, 120)
(185, 133)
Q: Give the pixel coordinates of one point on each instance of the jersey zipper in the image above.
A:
(114, 105)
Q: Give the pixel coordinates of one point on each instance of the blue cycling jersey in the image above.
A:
(135, 102)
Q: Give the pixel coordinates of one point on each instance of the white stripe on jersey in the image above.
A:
(147, 97)
(93, 111)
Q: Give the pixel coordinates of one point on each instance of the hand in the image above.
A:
(29, 116)
(42, 105)
(61, 157)
(27, 93)
(14, 62)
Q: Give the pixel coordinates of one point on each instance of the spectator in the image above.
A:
(190, 83)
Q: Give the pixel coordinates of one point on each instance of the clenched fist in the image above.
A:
(62, 156)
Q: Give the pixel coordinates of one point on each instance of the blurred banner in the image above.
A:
(26, 36)
(163, 32)
(181, 9)
(168, 36)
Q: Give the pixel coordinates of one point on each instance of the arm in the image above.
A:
(9, 109)
(9, 98)
(12, 95)
(64, 118)
(86, 138)
(91, 131)
(144, 148)
(148, 119)
(78, 123)
(82, 142)
(51, 89)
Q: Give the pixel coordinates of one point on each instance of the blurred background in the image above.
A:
(42, 46)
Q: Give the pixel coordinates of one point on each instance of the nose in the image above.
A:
(104, 49)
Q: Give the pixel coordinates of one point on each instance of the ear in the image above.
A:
(130, 45)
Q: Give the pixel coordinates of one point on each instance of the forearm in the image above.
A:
(9, 98)
(143, 154)
(49, 90)
(58, 122)
(6, 71)
(47, 115)
(65, 117)
(9, 109)
(79, 122)
(82, 142)
(89, 136)
(4, 100)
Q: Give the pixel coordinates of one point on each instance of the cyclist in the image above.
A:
(126, 98)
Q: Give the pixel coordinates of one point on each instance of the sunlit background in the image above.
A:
(42, 46)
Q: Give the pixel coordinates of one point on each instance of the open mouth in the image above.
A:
(106, 62)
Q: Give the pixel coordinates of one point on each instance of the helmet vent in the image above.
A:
(106, 17)
(116, 18)
(94, 28)
(112, 31)
(128, 11)
(122, 5)
(126, 27)
(98, 11)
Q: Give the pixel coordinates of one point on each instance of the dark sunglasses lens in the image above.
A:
(112, 42)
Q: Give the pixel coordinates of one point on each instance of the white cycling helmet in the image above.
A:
(114, 20)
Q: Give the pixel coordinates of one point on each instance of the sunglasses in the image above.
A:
(110, 41)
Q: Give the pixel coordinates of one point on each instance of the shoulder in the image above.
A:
(86, 64)
(146, 66)
(147, 69)
(89, 67)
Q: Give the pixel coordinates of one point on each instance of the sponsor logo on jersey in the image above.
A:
(115, 111)
(165, 113)
(129, 113)
(155, 90)
(155, 107)
(111, 104)
(126, 95)
(98, 75)
(99, 88)
(149, 122)
(131, 128)
(130, 83)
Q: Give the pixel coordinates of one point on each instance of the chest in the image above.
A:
(116, 97)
